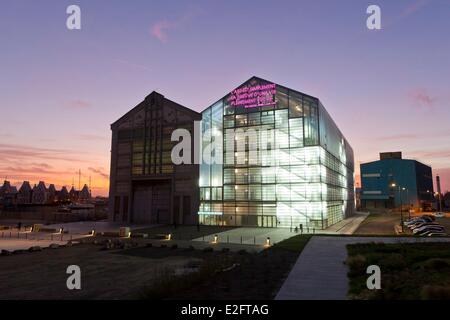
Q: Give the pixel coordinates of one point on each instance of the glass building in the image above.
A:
(278, 160)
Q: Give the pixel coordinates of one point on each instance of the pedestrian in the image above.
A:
(301, 228)
(19, 225)
(296, 229)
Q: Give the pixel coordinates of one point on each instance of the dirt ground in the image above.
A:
(132, 273)
(104, 274)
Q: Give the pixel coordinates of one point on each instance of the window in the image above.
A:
(228, 121)
(254, 119)
(267, 117)
(296, 133)
(241, 120)
(281, 98)
(254, 192)
(268, 192)
(216, 193)
(228, 176)
(254, 175)
(295, 105)
(228, 192)
(125, 134)
(241, 176)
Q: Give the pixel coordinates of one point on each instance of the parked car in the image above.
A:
(421, 218)
(416, 221)
(439, 214)
(420, 231)
(437, 234)
(431, 233)
(421, 225)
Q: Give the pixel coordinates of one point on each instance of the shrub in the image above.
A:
(436, 293)
(436, 264)
(393, 261)
(356, 264)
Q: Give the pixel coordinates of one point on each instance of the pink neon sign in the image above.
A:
(253, 96)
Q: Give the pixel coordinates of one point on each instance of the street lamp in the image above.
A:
(401, 203)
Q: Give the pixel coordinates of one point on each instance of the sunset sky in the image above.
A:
(388, 90)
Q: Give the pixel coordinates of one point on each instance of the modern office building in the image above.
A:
(145, 186)
(282, 160)
(393, 181)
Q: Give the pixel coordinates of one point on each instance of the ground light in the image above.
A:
(169, 237)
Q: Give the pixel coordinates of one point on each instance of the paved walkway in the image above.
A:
(258, 236)
(320, 272)
(23, 244)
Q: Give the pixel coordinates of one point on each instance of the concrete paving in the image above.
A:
(320, 272)
(83, 227)
(25, 244)
(258, 236)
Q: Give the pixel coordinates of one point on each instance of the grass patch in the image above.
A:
(408, 270)
(295, 244)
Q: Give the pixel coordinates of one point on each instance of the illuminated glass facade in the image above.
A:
(289, 164)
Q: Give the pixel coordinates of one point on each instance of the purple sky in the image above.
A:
(387, 90)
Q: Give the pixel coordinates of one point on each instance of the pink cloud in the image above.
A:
(399, 137)
(413, 7)
(160, 28)
(78, 104)
(421, 97)
(99, 171)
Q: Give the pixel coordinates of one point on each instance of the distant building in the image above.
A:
(84, 195)
(145, 186)
(25, 193)
(73, 194)
(446, 199)
(63, 195)
(358, 198)
(51, 193)
(8, 194)
(40, 193)
(392, 181)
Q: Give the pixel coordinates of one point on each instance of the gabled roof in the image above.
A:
(144, 103)
(26, 187)
(262, 80)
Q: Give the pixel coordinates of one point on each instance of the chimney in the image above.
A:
(438, 184)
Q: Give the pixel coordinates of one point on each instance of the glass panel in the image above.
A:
(281, 98)
(241, 120)
(254, 119)
(295, 105)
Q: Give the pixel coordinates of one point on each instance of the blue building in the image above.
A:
(392, 181)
